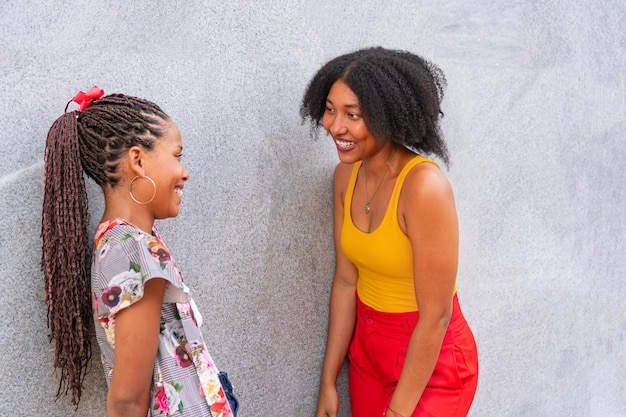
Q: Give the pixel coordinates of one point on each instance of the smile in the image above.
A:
(344, 144)
(179, 192)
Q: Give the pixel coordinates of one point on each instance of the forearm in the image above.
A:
(422, 354)
(341, 325)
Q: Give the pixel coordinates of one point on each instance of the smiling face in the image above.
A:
(164, 166)
(344, 121)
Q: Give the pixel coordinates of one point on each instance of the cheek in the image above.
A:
(326, 121)
(360, 130)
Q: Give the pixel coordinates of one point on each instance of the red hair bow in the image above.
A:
(84, 100)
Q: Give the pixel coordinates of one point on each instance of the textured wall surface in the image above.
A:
(535, 118)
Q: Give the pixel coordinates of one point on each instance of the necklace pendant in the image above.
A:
(367, 208)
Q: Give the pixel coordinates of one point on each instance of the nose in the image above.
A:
(185, 174)
(337, 126)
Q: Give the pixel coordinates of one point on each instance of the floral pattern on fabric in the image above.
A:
(185, 380)
(210, 384)
(168, 398)
(158, 252)
(123, 290)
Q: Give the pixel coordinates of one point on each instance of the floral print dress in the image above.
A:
(185, 380)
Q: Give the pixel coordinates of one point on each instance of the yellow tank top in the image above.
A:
(384, 257)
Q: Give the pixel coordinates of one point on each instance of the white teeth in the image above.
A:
(179, 192)
(344, 144)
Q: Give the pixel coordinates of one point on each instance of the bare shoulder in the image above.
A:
(343, 170)
(426, 199)
(342, 176)
(426, 181)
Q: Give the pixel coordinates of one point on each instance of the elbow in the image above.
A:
(127, 405)
(444, 320)
(439, 321)
(436, 321)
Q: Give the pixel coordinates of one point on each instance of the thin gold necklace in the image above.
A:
(367, 199)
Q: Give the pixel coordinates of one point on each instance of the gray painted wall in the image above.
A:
(535, 117)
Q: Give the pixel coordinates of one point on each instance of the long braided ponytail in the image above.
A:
(91, 141)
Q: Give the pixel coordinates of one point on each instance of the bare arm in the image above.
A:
(429, 217)
(342, 306)
(136, 344)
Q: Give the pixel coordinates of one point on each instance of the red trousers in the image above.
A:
(377, 353)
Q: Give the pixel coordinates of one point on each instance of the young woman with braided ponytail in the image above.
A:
(394, 310)
(147, 326)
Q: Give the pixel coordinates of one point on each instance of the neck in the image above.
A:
(377, 165)
(116, 205)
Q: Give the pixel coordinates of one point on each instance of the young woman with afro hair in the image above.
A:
(394, 310)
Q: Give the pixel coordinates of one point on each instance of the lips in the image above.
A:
(344, 145)
(179, 192)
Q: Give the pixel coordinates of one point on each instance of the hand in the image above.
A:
(328, 402)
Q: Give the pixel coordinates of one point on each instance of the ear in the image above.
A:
(135, 159)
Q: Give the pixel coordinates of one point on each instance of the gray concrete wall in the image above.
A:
(535, 117)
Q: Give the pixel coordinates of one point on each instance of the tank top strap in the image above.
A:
(397, 189)
(347, 204)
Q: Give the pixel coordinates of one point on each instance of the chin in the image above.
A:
(348, 159)
(169, 215)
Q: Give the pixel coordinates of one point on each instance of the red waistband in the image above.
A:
(407, 320)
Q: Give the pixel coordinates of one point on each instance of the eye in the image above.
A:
(180, 155)
(354, 116)
(329, 110)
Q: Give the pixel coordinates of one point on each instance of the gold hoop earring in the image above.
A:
(130, 190)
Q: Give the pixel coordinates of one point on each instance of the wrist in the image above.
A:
(326, 383)
(390, 412)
